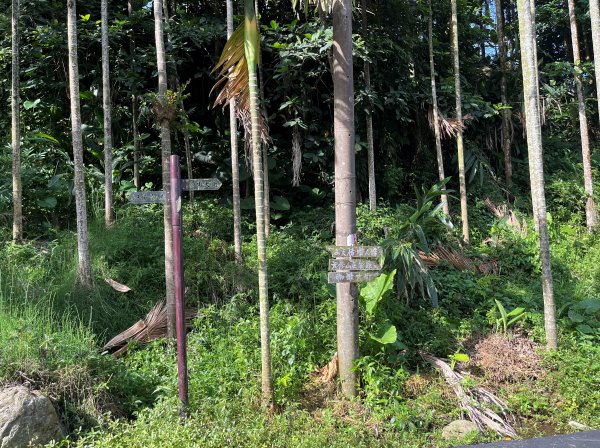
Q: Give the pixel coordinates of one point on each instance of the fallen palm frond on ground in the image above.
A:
(459, 261)
(503, 212)
(153, 326)
(328, 372)
(476, 401)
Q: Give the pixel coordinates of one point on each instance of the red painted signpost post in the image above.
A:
(176, 221)
(174, 196)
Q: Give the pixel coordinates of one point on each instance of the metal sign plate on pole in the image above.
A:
(354, 251)
(147, 197)
(353, 264)
(200, 184)
(352, 277)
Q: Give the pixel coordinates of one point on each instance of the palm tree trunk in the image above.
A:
(595, 18)
(109, 215)
(345, 188)
(536, 166)
(17, 186)
(369, 119)
(436, 122)
(251, 51)
(591, 214)
(459, 134)
(235, 165)
(134, 110)
(504, 95)
(264, 146)
(165, 134)
(84, 270)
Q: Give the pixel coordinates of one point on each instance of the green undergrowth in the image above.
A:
(52, 331)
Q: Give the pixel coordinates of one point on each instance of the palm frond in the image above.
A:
(233, 82)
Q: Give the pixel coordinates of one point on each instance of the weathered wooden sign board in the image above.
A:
(200, 184)
(353, 264)
(158, 197)
(147, 197)
(352, 276)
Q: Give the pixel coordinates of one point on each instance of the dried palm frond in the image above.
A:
(328, 372)
(153, 326)
(119, 287)
(503, 211)
(458, 260)
(476, 401)
(448, 126)
(233, 82)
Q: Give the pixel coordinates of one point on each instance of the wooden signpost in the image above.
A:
(353, 264)
(174, 196)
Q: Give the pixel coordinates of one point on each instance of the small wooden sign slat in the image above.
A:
(354, 251)
(147, 197)
(352, 277)
(200, 184)
(353, 264)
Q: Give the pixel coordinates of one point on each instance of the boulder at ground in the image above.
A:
(27, 418)
(458, 429)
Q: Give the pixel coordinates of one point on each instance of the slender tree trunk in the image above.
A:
(536, 166)
(345, 188)
(84, 269)
(251, 51)
(506, 140)
(235, 165)
(264, 146)
(17, 187)
(459, 134)
(436, 122)
(591, 215)
(134, 110)
(165, 135)
(595, 18)
(369, 124)
(109, 215)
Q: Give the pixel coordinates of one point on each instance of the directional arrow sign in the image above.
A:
(352, 277)
(355, 251)
(200, 184)
(147, 197)
(355, 264)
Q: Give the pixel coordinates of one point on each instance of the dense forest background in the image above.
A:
(478, 303)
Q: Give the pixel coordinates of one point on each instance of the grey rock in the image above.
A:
(458, 429)
(27, 418)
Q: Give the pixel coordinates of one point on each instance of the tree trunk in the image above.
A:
(134, 110)
(17, 186)
(251, 51)
(459, 134)
(595, 18)
(369, 124)
(591, 215)
(264, 146)
(235, 166)
(536, 166)
(506, 140)
(436, 123)
(165, 135)
(345, 188)
(109, 215)
(84, 270)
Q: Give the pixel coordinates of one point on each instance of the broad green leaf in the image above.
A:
(280, 203)
(585, 329)
(575, 316)
(48, 202)
(31, 104)
(46, 137)
(386, 333)
(516, 312)
(373, 292)
(461, 357)
(589, 306)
